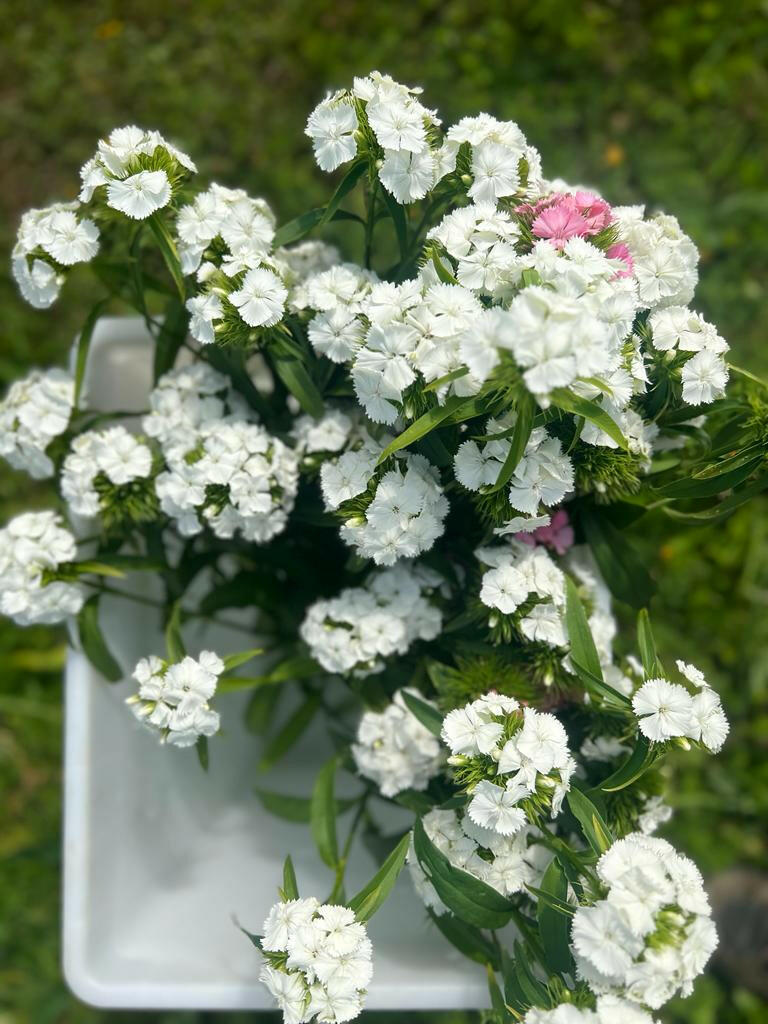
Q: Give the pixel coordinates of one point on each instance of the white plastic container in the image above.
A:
(159, 856)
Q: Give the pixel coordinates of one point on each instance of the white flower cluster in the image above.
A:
(609, 1010)
(137, 170)
(405, 516)
(355, 632)
(668, 710)
(319, 961)
(35, 411)
(225, 237)
(412, 158)
(33, 545)
(329, 433)
(347, 476)
(515, 761)
(222, 469)
(302, 263)
(652, 933)
(173, 700)
(112, 455)
(337, 294)
(543, 476)
(49, 241)
(677, 329)
(395, 750)
(507, 863)
(518, 572)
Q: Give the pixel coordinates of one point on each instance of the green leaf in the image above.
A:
(202, 751)
(290, 890)
(348, 182)
(290, 733)
(169, 252)
(423, 425)
(469, 940)
(724, 508)
(621, 567)
(464, 895)
(255, 939)
(83, 347)
(535, 992)
(442, 272)
(93, 643)
(428, 715)
(595, 830)
(636, 765)
(447, 378)
(397, 213)
(118, 565)
(513, 993)
(98, 568)
(526, 410)
(174, 644)
(294, 374)
(591, 411)
(373, 895)
(295, 229)
(170, 337)
(554, 925)
(647, 645)
(296, 808)
(261, 709)
(290, 670)
(709, 487)
(233, 661)
(583, 650)
(322, 814)
(497, 999)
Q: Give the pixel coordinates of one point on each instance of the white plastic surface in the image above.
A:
(159, 856)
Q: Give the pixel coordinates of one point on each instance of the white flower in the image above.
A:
(140, 195)
(602, 936)
(285, 918)
(35, 411)
(504, 588)
(31, 545)
(397, 124)
(407, 175)
(709, 726)
(260, 299)
(395, 750)
(204, 310)
(494, 807)
(466, 731)
(112, 456)
(704, 377)
(173, 699)
(664, 709)
(692, 674)
(336, 333)
(332, 126)
(495, 171)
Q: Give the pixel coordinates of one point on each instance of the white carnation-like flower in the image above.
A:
(35, 410)
(33, 547)
(173, 700)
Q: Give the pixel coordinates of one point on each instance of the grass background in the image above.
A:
(661, 102)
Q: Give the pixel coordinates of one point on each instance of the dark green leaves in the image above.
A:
(584, 657)
(554, 924)
(170, 337)
(569, 402)
(169, 252)
(93, 643)
(526, 410)
(620, 565)
(593, 825)
(423, 425)
(83, 346)
(636, 765)
(466, 896)
(290, 733)
(397, 213)
(233, 661)
(372, 896)
(428, 715)
(469, 940)
(174, 644)
(322, 815)
(290, 888)
(295, 808)
(294, 374)
(647, 645)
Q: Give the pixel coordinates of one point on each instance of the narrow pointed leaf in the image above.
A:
(373, 895)
(290, 733)
(526, 410)
(554, 924)
(233, 661)
(647, 644)
(423, 425)
(169, 252)
(174, 644)
(322, 814)
(428, 715)
(84, 345)
(296, 808)
(591, 411)
(593, 825)
(348, 182)
(290, 885)
(583, 650)
(202, 752)
(622, 568)
(469, 941)
(93, 643)
(636, 765)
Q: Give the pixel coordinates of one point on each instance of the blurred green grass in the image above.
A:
(660, 102)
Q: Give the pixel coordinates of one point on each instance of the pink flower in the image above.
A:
(594, 210)
(619, 251)
(559, 222)
(558, 535)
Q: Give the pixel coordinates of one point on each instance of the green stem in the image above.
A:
(338, 885)
(370, 222)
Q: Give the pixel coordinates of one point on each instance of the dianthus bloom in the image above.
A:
(318, 961)
(668, 710)
(395, 750)
(652, 932)
(173, 699)
(34, 412)
(515, 762)
(33, 548)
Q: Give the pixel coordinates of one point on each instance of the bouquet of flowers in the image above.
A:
(414, 473)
